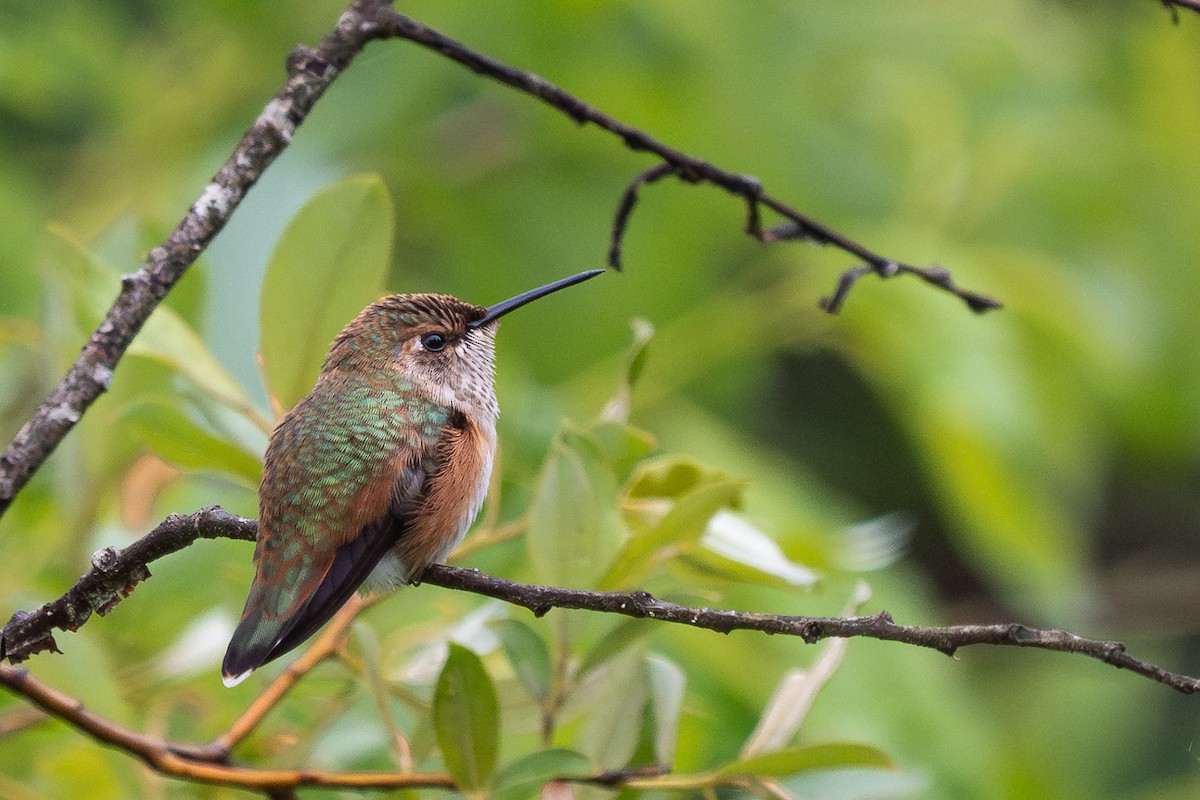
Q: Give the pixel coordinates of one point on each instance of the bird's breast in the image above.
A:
(453, 497)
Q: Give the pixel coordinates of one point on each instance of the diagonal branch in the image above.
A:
(310, 72)
(194, 764)
(30, 633)
(187, 762)
(330, 641)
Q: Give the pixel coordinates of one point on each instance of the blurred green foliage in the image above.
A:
(1040, 464)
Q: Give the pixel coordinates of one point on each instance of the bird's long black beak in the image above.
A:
(513, 303)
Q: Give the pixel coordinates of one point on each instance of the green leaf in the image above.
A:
(670, 476)
(329, 263)
(621, 636)
(466, 717)
(684, 523)
(617, 408)
(697, 564)
(794, 696)
(574, 526)
(736, 549)
(525, 777)
(792, 760)
(614, 713)
(90, 282)
(181, 442)
(370, 652)
(689, 516)
(167, 339)
(667, 682)
(624, 445)
(528, 654)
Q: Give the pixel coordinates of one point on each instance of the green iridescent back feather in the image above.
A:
(318, 462)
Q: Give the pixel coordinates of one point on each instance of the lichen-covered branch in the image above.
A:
(310, 72)
(114, 575)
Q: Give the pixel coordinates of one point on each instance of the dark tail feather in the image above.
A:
(251, 646)
(258, 640)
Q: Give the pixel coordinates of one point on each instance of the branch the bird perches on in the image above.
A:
(114, 575)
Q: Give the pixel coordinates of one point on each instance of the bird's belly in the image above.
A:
(388, 574)
(392, 571)
(454, 498)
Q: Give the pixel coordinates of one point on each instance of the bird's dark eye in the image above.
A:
(433, 342)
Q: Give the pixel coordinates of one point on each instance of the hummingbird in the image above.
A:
(379, 471)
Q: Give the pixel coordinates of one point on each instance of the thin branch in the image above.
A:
(625, 208)
(310, 72)
(689, 168)
(1174, 5)
(540, 599)
(191, 763)
(29, 633)
(845, 284)
(326, 645)
(180, 762)
(616, 778)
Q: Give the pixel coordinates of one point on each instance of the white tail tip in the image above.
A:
(231, 681)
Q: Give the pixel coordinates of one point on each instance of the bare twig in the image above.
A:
(29, 633)
(540, 599)
(1174, 5)
(113, 576)
(617, 778)
(199, 765)
(625, 208)
(327, 645)
(687, 167)
(849, 278)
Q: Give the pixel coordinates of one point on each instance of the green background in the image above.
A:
(1040, 464)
